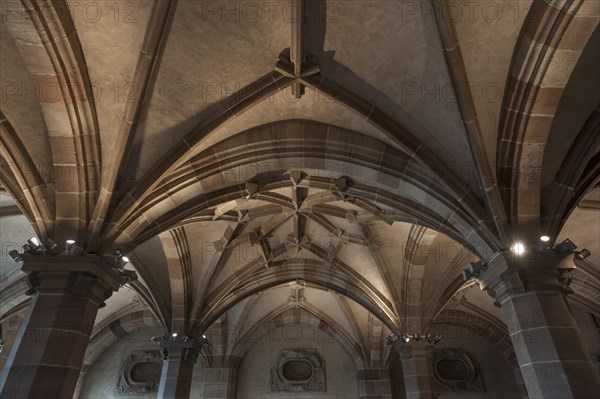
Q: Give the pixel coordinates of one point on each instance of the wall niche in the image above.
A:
(298, 370)
(456, 370)
(140, 373)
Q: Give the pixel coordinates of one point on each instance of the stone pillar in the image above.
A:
(178, 368)
(374, 383)
(48, 351)
(553, 359)
(417, 365)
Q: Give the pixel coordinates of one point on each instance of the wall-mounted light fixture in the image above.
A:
(431, 338)
(584, 253)
(49, 247)
(34, 242)
(474, 269)
(565, 247)
(69, 246)
(15, 256)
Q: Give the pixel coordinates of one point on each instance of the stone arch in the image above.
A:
(346, 282)
(298, 315)
(490, 332)
(379, 172)
(551, 41)
(109, 335)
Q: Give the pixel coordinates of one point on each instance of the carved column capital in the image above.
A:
(85, 276)
(182, 351)
(511, 274)
(415, 349)
(48, 352)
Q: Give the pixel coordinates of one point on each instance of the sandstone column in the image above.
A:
(417, 366)
(553, 359)
(48, 352)
(178, 368)
(374, 383)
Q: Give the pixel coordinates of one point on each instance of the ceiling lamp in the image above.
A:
(584, 253)
(15, 256)
(34, 242)
(51, 246)
(69, 246)
(517, 248)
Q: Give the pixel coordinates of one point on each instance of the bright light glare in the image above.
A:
(545, 238)
(518, 248)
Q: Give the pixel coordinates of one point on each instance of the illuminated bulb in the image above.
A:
(69, 244)
(544, 238)
(15, 256)
(125, 259)
(34, 242)
(518, 248)
(174, 335)
(203, 336)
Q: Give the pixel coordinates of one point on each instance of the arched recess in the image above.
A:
(256, 277)
(490, 332)
(552, 39)
(109, 335)
(261, 158)
(290, 314)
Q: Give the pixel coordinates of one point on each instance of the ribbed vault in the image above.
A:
(235, 160)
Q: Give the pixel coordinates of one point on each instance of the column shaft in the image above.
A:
(49, 348)
(553, 359)
(374, 383)
(417, 366)
(177, 371)
(531, 288)
(48, 352)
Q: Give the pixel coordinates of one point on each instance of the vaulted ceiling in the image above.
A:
(332, 163)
